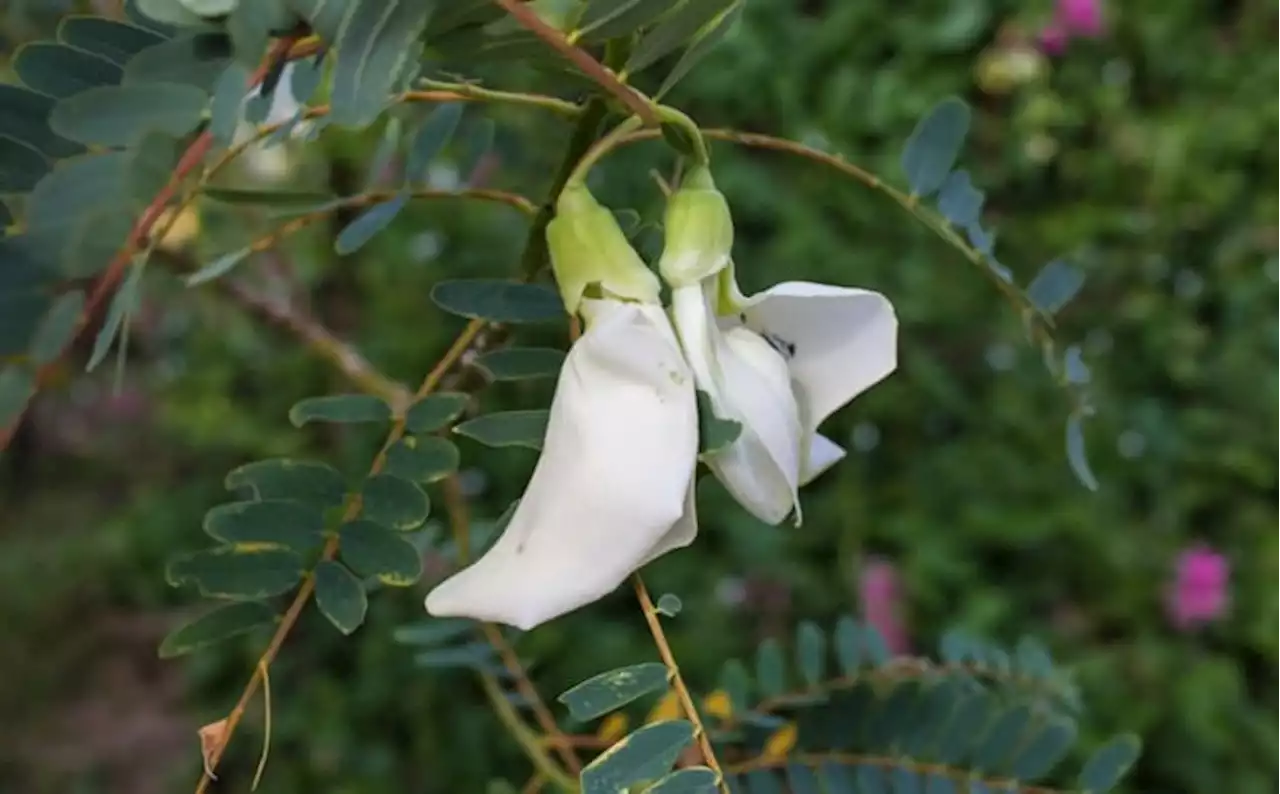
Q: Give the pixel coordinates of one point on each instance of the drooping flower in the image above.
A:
(1199, 592)
(779, 362)
(612, 489)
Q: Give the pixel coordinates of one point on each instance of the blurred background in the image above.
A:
(1136, 139)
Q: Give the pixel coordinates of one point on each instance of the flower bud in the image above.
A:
(588, 248)
(699, 231)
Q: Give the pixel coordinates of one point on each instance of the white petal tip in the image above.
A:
(823, 454)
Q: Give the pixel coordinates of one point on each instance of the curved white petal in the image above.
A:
(748, 382)
(611, 489)
(842, 341)
(823, 453)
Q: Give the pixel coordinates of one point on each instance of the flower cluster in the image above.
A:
(614, 486)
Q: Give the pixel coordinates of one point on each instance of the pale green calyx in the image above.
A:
(588, 249)
(699, 231)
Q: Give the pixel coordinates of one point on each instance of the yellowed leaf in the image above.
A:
(782, 742)
(667, 708)
(184, 229)
(613, 728)
(211, 738)
(718, 705)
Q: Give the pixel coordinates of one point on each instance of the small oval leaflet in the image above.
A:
(522, 363)
(690, 780)
(17, 384)
(361, 230)
(218, 267)
(434, 632)
(682, 26)
(507, 429)
(61, 72)
(848, 645)
(21, 166)
(959, 201)
(57, 328)
(771, 668)
(431, 138)
(934, 145)
(736, 683)
(122, 115)
(1076, 454)
(994, 753)
(811, 652)
(307, 481)
(614, 689)
(669, 605)
(1040, 755)
(106, 38)
(1054, 286)
(372, 550)
(1110, 763)
(433, 412)
(239, 572)
(472, 656)
(340, 596)
(873, 642)
(607, 19)
(394, 502)
(215, 626)
(763, 781)
(937, 784)
(706, 39)
(802, 780)
(269, 522)
(340, 408)
(423, 459)
(498, 301)
(647, 754)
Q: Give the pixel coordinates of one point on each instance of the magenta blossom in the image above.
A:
(880, 594)
(1198, 594)
(1072, 19)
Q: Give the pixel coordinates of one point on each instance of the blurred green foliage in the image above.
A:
(1145, 157)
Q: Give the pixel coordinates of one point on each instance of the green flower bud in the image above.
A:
(588, 248)
(699, 231)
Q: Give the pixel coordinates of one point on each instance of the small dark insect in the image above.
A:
(785, 348)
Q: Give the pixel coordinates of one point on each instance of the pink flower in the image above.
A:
(1080, 17)
(878, 590)
(1198, 594)
(1071, 19)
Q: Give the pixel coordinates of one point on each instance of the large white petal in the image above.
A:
(611, 489)
(842, 341)
(748, 382)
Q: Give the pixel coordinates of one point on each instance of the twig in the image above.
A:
(187, 163)
(677, 681)
(460, 523)
(606, 79)
(300, 599)
(322, 341)
(912, 205)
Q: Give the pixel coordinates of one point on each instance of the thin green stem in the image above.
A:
(617, 137)
(480, 94)
(670, 115)
(527, 739)
(654, 620)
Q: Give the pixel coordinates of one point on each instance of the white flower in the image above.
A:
(778, 363)
(613, 488)
(837, 341)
